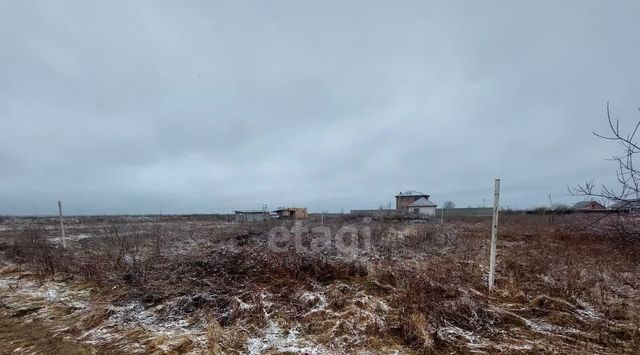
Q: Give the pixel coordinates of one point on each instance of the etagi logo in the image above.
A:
(349, 240)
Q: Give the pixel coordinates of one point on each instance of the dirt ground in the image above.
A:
(204, 284)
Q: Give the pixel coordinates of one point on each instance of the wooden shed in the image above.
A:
(291, 212)
(251, 216)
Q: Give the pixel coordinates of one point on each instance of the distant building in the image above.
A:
(291, 213)
(251, 216)
(630, 206)
(588, 206)
(415, 202)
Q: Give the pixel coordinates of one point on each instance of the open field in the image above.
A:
(207, 285)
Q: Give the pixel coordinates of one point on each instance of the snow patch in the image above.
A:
(243, 305)
(70, 238)
(318, 299)
(452, 332)
(286, 341)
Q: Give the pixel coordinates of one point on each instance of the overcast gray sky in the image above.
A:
(210, 106)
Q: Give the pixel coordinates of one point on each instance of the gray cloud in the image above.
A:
(133, 107)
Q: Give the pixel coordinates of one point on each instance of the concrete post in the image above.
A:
(494, 234)
(64, 240)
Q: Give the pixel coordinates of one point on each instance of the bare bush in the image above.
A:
(31, 247)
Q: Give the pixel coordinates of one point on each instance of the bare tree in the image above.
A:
(627, 190)
(448, 205)
(627, 174)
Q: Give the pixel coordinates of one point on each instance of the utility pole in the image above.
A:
(64, 240)
(494, 234)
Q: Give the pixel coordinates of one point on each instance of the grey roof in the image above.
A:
(250, 211)
(422, 202)
(626, 204)
(584, 204)
(411, 193)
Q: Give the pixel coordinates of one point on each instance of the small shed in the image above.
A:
(291, 212)
(422, 206)
(251, 216)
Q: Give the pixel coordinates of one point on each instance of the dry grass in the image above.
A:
(421, 288)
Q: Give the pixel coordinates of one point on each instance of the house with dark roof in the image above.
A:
(588, 206)
(415, 202)
(627, 206)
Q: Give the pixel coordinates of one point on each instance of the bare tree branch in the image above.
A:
(627, 191)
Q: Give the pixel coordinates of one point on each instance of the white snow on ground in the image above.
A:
(134, 315)
(69, 238)
(286, 341)
(100, 335)
(587, 311)
(274, 337)
(452, 332)
(6, 282)
(129, 318)
(318, 299)
(522, 347)
(51, 291)
(243, 305)
(186, 245)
